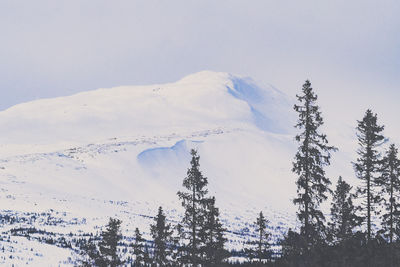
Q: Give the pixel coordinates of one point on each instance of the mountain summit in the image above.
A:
(200, 101)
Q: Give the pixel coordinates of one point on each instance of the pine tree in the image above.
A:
(138, 248)
(108, 245)
(212, 235)
(258, 249)
(261, 252)
(162, 234)
(390, 182)
(194, 202)
(343, 213)
(313, 155)
(368, 165)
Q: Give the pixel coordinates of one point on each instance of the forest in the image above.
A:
(362, 228)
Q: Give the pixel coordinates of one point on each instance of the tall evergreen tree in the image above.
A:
(390, 181)
(212, 234)
(162, 234)
(343, 213)
(138, 248)
(194, 201)
(368, 165)
(312, 156)
(109, 242)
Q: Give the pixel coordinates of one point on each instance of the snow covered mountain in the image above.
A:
(124, 151)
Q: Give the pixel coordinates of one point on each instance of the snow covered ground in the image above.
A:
(124, 151)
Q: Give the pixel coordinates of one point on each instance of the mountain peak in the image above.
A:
(206, 76)
(200, 101)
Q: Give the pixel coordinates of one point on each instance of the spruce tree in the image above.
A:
(194, 201)
(367, 166)
(109, 242)
(162, 234)
(258, 249)
(262, 251)
(312, 156)
(212, 234)
(390, 182)
(138, 248)
(343, 213)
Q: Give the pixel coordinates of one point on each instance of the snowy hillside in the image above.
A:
(124, 151)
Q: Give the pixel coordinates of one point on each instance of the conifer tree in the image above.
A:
(162, 234)
(262, 251)
(390, 182)
(312, 156)
(368, 165)
(212, 234)
(138, 248)
(194, 201)
(343, 213)
(109, 242)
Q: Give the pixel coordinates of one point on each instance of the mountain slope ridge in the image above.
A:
(200, 101)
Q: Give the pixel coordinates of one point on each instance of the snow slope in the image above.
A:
(124, 151)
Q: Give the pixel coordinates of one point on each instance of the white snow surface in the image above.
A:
(124, 151)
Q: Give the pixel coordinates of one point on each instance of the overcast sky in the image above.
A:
(350, 50)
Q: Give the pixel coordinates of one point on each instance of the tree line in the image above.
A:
(364, 222)
(362, 229)
(198, 240)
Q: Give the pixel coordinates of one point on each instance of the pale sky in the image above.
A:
(350, 50)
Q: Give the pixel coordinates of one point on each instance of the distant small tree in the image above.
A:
(138, 248)
(162, 234)
(263, 245)
(259, 248)
(108, 246)
(105, 253)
